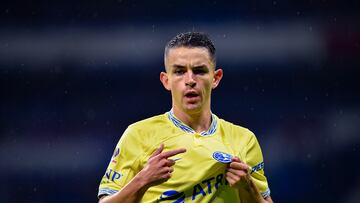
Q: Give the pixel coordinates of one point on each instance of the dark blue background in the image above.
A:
(73, 75)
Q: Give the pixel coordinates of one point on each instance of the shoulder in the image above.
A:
(238, 136)
(235, 130)
(145, 128)
(243, 141)
(141, 134)
(149, 124)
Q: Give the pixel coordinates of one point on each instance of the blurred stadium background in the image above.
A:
(74, 74)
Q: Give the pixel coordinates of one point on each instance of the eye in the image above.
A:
(179, 71)
(200, 71)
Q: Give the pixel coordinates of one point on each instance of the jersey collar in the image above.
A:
(184, 127)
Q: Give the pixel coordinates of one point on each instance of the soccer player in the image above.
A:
(187, 154)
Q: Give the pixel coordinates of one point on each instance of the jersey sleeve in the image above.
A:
(124, 163)
(254, 158)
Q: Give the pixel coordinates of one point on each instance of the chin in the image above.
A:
(193, 108)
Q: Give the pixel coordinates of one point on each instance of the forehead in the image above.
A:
(188, 56)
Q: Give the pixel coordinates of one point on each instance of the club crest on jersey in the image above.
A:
(222, 157)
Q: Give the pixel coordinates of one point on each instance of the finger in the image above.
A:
(231, 180)
(237, 172)
(239, 166)
(236, 159)
(232, 176)
(166, 170)
(166, 176)
(173, 153)
(158, 150)
(166, 162)
(170, 162)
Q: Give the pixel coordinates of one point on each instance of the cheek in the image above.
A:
(208, 85)
(176, 88)
(206, 89)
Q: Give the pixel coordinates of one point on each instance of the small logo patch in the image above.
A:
(116, 152)
(222, 157)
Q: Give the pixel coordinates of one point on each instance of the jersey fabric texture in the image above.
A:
(199, 173)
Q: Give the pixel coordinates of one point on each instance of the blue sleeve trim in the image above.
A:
(106, 191)
(266, 193)
(257, 167)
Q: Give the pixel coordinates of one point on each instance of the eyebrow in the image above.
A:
(193, 67)
(178, 66)
(200, 66)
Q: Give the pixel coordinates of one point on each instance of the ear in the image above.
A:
(165, 80)
(218, 74)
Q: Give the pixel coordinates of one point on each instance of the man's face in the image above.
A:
(190, 76)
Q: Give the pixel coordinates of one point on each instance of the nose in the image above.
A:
(190, 80)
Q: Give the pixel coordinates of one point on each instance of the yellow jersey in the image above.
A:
(199, 173)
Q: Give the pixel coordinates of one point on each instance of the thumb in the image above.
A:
(158, 150)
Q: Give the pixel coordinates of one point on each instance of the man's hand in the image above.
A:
(237, 172)
(238, 175)
(159, 168)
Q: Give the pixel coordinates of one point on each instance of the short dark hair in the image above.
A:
(192, 39)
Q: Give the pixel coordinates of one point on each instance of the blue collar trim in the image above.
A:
(184, 127)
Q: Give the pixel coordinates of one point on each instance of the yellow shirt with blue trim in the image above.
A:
(199, 173)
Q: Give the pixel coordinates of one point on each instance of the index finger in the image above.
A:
(173, 152)
(236, 159)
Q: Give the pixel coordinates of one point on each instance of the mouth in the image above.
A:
(191, 95)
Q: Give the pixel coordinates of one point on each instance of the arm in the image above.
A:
(132, 192)
(157, 170)
(238, 176)
(253, 192)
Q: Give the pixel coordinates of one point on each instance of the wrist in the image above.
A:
(141, 180)
(248, 179)
(245, 182)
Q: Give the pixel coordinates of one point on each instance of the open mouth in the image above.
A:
(191, 95)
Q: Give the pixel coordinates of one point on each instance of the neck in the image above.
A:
(198, 121)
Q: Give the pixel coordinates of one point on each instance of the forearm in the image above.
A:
(157, 170)
(253, 192)
(130, 193)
